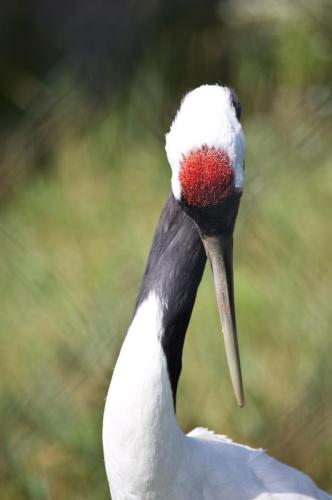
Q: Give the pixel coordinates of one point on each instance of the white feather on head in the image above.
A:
(206, 118)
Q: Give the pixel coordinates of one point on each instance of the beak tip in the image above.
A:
(240, 400)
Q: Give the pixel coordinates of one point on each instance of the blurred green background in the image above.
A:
(87, 91)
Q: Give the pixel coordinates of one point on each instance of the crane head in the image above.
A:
(205, 148)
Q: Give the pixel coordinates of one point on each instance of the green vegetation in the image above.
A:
(73, 248)
(75, 234)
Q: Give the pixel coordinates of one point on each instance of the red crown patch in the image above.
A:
(206, 177)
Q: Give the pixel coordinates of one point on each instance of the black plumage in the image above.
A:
(174, 270)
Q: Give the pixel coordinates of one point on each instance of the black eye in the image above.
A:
(236, 104)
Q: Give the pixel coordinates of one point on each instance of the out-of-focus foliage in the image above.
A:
(83, 179)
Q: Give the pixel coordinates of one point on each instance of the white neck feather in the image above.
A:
(139, 419)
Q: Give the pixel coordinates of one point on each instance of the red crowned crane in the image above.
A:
(147, 456)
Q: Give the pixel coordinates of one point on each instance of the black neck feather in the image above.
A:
(174, 271)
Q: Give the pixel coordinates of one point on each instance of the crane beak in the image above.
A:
(220, 254)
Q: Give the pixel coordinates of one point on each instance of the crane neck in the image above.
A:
(174, 270)
(139, 417)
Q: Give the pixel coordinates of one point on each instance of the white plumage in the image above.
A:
(148, 457)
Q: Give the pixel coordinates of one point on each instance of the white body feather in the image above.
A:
(148, 457)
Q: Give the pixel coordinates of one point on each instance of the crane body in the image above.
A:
(147, 456)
